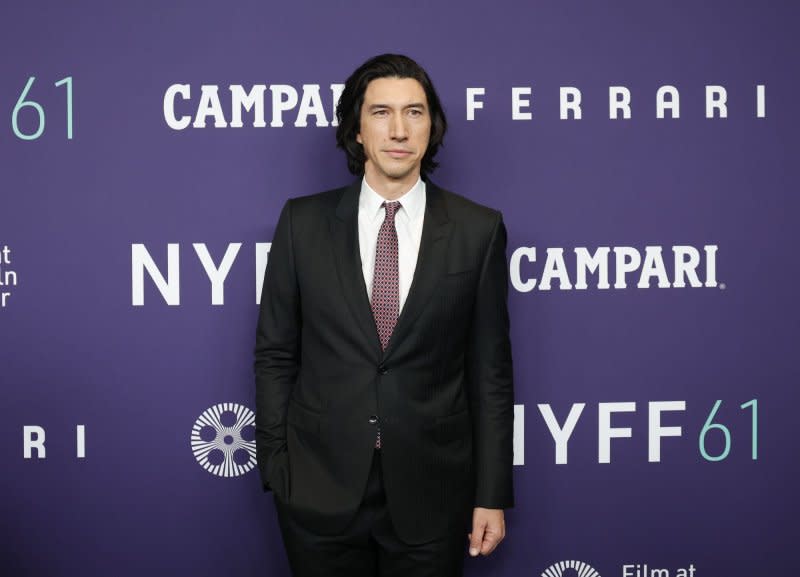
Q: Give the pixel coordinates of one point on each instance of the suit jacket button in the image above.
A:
(382, 369)
(373, 420)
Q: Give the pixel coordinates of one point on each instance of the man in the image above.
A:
(384, 390)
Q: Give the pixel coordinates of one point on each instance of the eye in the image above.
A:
(415, 112)
(380, 112)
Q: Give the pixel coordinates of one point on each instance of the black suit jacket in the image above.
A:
(442, 390)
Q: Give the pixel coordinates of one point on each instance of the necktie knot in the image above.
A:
(391, 208)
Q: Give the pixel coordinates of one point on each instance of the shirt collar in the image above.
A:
(411, 201)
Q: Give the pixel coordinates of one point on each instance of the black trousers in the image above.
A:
(369, 546)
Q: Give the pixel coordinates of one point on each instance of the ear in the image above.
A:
(358, 138)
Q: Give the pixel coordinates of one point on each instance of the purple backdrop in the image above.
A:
(101, 392)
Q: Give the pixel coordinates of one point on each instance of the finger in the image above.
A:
(492, 536)
(490, 541)
(476, 539)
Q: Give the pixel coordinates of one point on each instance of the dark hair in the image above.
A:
(348, 110)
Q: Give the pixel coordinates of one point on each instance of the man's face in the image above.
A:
(395, 130)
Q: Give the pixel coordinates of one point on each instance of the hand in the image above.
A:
(488, 529)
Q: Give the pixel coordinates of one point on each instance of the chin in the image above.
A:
(399, 175)
(399, 172)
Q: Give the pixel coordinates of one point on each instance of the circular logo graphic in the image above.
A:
(581, 569)
(223, 440)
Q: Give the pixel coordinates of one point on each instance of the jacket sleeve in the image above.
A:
(490, 379)
(277, 355)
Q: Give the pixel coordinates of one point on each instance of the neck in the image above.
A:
(390, 188)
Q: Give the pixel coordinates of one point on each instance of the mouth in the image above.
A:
(398, 153)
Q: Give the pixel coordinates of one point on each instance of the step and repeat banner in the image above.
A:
(644, 157)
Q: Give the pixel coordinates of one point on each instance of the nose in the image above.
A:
(397, 128)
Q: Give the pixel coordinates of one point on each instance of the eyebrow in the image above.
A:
(412, 105)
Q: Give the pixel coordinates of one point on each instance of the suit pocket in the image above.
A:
(453, 427)
(460, 280)
(457, 271)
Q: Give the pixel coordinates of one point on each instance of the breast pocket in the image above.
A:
(457, 270)
(458, 290)
(460, 278)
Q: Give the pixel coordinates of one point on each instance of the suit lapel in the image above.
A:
(344, 235)
(431, 262)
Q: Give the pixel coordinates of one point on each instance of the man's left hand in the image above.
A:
(488, 529)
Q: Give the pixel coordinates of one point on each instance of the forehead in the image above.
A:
(394, 91)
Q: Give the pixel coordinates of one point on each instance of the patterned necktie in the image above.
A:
(385, 282)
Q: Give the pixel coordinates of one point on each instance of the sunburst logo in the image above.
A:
(562, 569)
(223, 440)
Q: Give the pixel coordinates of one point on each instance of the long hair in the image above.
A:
(348, 110)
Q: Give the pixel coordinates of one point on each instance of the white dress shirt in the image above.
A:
(408, 223)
